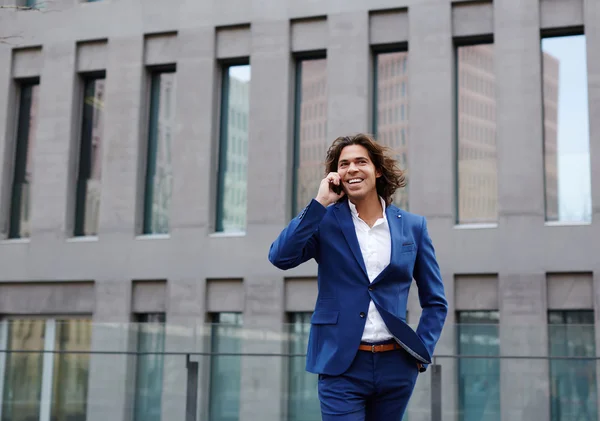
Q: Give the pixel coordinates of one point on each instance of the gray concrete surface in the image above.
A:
(519, 255)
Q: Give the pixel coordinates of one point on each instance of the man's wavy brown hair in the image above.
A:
(392, 177)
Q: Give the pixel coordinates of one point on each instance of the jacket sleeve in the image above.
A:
(431, 292)
(299, 241)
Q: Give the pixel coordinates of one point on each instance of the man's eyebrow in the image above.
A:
(358, 157)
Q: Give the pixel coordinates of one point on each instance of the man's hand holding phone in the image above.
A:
(330, 189)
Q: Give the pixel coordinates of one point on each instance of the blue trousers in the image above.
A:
(376, 387)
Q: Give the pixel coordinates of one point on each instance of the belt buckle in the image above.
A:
(373, 348)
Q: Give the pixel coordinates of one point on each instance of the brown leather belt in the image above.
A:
(379, 348)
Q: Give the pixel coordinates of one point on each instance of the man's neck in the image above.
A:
(369, 209)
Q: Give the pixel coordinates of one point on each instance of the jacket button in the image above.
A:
(370, 288)
(362, 314)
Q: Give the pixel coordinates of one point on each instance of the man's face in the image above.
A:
(358, 172)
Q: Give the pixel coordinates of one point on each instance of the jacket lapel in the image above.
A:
(344, 217)
(395, 224)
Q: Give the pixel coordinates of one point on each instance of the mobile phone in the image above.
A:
(337, 189)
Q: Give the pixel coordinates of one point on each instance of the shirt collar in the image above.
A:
(355, 212)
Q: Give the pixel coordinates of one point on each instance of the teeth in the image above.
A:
(355, 180)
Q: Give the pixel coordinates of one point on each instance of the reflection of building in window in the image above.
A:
(477, 168)
(312, 130)
(163, 182)
(235, 182)
(477, 152)
(392, 112)
(550, 95)
(94, 183)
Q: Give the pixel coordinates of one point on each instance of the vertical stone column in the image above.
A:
(348, 75)
(262, 378)
(432, 165)
(591, 18)
(522, 290)
(185, 332)
(591, 22)
(124, 106)
(112, 376)
(523, 332)
(195, 148)
(8, 111)
(54, 150)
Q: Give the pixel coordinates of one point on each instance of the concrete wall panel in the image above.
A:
(233, 42)
(388, 27)
(161, 49)
(309, 35)
(92, 56)
(27, 63)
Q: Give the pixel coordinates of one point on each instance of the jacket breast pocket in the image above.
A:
(323, 317)
(408, 247)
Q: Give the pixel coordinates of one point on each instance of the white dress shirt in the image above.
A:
(376, 247)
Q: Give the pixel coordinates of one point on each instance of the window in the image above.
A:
(87, 201)
(572, 381)
(310, 145)
(477, 167)
(40, 386)
(224, 404)
(149, 372)
(566, 130)
(303, 400)
(20, 203)
(159, 170)
(233, 159)
(389, 119)
(478, 378)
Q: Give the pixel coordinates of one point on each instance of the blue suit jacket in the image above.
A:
(328, 235)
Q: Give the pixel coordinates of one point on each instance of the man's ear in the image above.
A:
(377, 173)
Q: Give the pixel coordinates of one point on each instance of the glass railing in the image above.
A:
(76, 370)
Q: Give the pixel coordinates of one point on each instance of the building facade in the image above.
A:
(152, 151)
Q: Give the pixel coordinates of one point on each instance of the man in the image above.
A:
(368, 252)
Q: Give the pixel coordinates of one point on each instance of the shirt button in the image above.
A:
(362, 314)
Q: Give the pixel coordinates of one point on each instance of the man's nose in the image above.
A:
(352, 167)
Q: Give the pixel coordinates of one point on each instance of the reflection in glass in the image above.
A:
(573, 388)
(23, 165)
(477, 159)
(391, 113)
(224, 389)
(71, 371)
(478, 378)
(23, 371)
(149, 373)
(159, 171)
(566, 130)
(310, 130)
(233, 152)
(303, 400)
(87, 206)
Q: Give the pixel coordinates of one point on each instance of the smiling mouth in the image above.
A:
(354, 181)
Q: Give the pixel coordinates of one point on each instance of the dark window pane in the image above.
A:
(23, 371)
(233, 150)
(87, 206)
(573, 386)
(566, 130)
(310, 145)
(225, 377)
(389, 114)
(71, 370)
(159, 171)
(478, 378)
(477, 156)
(149, 372)
(19, 225)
